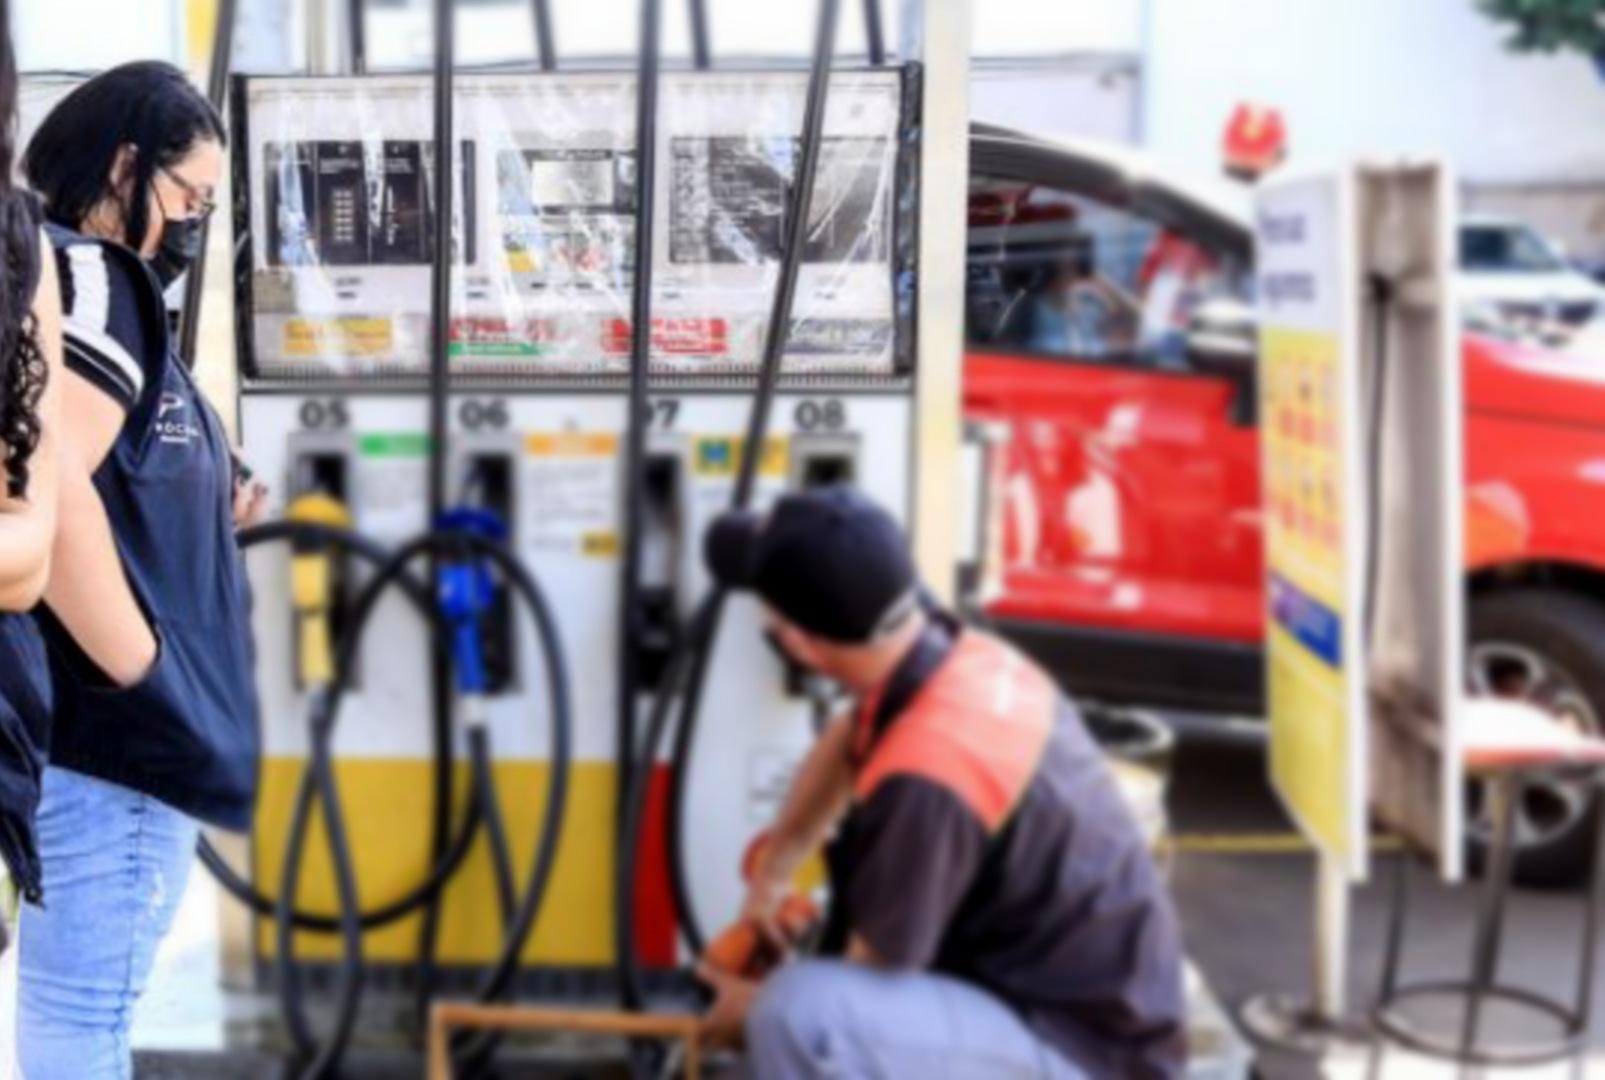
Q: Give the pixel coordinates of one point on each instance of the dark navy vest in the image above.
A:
(187, 733)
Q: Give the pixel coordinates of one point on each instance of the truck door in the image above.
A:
(1131, 506)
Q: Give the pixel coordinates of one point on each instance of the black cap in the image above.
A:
(828, 559)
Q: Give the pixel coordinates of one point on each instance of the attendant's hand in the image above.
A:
(724, 1025)
(762, 910)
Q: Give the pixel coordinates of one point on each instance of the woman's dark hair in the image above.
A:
(22, 364)
(149, 106)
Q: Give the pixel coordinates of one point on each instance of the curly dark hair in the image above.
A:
(22, 363)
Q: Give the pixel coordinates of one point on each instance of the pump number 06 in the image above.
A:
(484, 414)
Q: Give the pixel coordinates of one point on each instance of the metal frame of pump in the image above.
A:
(467, 555)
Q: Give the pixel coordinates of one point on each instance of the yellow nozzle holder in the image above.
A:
(311, 587)
(316, 508)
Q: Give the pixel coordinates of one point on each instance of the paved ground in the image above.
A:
(1247, 916)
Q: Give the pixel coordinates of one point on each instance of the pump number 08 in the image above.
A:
(829, 414)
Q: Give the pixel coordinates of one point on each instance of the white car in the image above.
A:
(1511, 278)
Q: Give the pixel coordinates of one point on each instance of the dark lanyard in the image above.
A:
(881, 709)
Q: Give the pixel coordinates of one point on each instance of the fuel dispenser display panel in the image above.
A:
(335, 221)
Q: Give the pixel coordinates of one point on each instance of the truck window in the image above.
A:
(1054, 273)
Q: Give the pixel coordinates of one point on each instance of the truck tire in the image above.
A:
(1546, 646)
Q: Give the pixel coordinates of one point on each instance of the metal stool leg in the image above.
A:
(1506, 792)
(1595, 900)
(1393, 951)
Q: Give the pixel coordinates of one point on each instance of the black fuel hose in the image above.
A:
(691, 657)
(874, 35)
(440, 266)
(627, 681)
(525, 585)
(320, 1059)
(545, 46)
(633, 817)
(319, 785)
(490, 812)
(757, 432)
(394, 910)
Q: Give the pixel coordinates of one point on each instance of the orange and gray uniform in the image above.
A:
(988, 842)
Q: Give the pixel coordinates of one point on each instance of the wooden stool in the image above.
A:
(447, 1017)
(1507, 745)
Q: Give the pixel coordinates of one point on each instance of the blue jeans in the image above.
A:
(115, 866)
(830, 1018)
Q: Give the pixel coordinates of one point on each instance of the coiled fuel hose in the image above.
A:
(317, 785)
(687, 668)
(456, 544)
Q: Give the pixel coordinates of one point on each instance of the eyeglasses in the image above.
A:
(196, 201)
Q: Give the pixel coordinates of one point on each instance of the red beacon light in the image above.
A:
(1255, 141)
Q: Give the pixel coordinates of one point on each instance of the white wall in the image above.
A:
(1386, 75)
(1002, 28)
(1090, 97)
(94, 34)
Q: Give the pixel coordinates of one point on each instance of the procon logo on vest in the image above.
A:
(171, 426)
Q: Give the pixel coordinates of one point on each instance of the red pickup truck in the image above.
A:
(1131, 499)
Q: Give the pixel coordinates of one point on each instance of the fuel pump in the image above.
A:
(470, 567)
(601, 445)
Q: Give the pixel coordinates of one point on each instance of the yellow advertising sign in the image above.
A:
(1308, 395)
(1307, 697)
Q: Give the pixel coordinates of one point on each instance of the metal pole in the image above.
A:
(217, 94)
(320, 43)
(545, 48)
(937, 33)
(1331, 938)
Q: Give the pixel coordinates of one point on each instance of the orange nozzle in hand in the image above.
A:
(743, 949)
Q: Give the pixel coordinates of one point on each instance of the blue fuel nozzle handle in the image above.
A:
(473, 520)
(465, 591)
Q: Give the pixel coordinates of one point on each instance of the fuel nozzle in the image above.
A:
(467, 592)
(312, 586)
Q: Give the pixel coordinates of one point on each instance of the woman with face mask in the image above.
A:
(146, 609)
